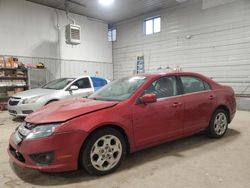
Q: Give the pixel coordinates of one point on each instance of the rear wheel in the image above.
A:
(218, 124)
(103, 152)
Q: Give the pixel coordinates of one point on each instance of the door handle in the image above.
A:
(211, 97)
(176, 104)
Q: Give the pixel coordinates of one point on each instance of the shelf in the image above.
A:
(11, 69)
(12, 78)
(13, 86)
(5, 97)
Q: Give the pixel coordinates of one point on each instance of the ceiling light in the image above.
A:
(181, 1)
(106, 2)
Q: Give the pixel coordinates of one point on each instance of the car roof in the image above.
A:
(97, 77)
(75, 78)
(87, 76)
(173, 73)
(65, 78)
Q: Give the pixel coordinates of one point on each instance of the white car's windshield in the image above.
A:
(58, 83)
(120, 89)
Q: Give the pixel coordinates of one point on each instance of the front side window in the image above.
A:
(206, 85)
(152, 25)
(192, 84)
(163, 87)
(120, 89)
(82, 83)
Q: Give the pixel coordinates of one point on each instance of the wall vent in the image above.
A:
(73, 34)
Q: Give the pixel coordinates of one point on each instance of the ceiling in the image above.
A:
(118, 11)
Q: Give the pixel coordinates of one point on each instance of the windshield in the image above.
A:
(58, 83)
(120, 89)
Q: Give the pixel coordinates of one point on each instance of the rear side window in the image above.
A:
(192, 84)
(83, 83)
(98, 82)
(206, 85)
(163, 87)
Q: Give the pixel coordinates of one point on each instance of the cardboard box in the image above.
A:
(10, 93)
(2, 65)
(17, 90)
(8, 65)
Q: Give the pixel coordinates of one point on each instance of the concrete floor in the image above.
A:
(195, 161)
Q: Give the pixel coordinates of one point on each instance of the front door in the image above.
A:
(84, 88)
(155, 122)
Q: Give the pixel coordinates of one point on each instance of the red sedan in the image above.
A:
(127, 115)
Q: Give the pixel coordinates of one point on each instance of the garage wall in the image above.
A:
(37, 32)
(57, 68)
(218, 44)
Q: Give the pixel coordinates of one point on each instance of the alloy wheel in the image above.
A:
(220, 124)
(106, 152)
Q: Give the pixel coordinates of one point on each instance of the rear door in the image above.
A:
(156, 122)
(199, 102)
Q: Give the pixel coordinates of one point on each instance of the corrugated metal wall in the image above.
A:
(58, 68)
(219, 46)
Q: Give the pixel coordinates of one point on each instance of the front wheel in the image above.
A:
(103, 152)
(218, 124)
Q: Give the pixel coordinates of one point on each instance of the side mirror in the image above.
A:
(73, 88)
(148, 98)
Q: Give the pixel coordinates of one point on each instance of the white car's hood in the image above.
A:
(35, 93)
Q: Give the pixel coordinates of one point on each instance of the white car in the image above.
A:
(26, 102)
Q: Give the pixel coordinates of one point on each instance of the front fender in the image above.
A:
(92, 121)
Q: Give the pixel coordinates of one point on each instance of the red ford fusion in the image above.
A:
(127, 115)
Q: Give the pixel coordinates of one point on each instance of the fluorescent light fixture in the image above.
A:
(181, 1)
(106, 2)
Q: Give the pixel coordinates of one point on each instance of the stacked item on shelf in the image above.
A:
(12, 83)
(8, 62)
(2, 64)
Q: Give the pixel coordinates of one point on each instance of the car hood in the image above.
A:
(34, 93)
(67, 109)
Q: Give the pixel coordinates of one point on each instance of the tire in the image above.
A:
(218, 124)
(103, 152)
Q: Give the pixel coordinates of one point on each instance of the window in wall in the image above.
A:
(152, 25)
(112, 35)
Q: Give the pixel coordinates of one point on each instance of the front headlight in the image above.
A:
(31, 100)
(42, 131)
